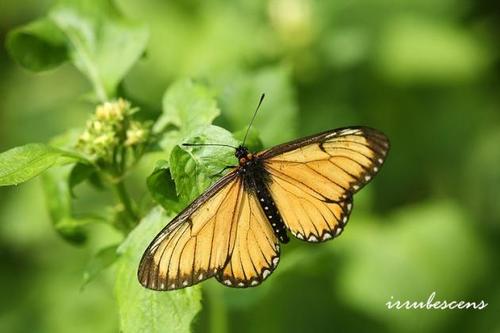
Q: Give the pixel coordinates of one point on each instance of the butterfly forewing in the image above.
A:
(313, 179)
(197, 243)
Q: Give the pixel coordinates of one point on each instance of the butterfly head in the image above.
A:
(243, 154)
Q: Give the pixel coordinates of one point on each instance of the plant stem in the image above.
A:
(126, 201)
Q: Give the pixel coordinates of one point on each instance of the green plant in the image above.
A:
(103, 45)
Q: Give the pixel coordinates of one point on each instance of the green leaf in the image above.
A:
(162, 188)
(239, 96)
(37, 46)
(93, 35)
(99, 262)
(195, 168)
(58, 198)
(189, 109)
(143, 310)
(80, 173)
(187, 105)
(102, 44)
(20, 164)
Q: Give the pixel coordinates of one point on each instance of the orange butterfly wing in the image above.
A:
(313, 179)
(256, 250)
(222, 233)
(197, 243)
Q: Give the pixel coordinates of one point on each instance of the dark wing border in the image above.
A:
(377, 137)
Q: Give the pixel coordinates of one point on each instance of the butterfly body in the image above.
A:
(233, 231)
(256, 179)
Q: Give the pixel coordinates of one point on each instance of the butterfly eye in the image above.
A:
(243, 160)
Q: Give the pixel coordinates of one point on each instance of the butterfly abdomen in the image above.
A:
(272, 213)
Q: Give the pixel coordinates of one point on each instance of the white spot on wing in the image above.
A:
(312, 238)
(350, 131)
(368, 177)
(338, 231)
(266, 273)
(299, 236)
(227, 282)
(254, 283)
(380, 160)
(185, 283)
(200, 277)
(276, 260)
(172, 286)
(327, 236)
(241, 284)
(349, 206)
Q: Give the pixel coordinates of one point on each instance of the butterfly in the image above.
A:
(233, 231)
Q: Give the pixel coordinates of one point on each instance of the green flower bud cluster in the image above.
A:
(111, 131)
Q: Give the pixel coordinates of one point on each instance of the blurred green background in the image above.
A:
(424, 72)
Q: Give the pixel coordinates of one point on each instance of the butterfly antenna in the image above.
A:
(253, 118)
(207, 144)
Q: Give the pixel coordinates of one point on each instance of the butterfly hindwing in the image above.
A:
(307, 213)
(313, 179)
(256, 250)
